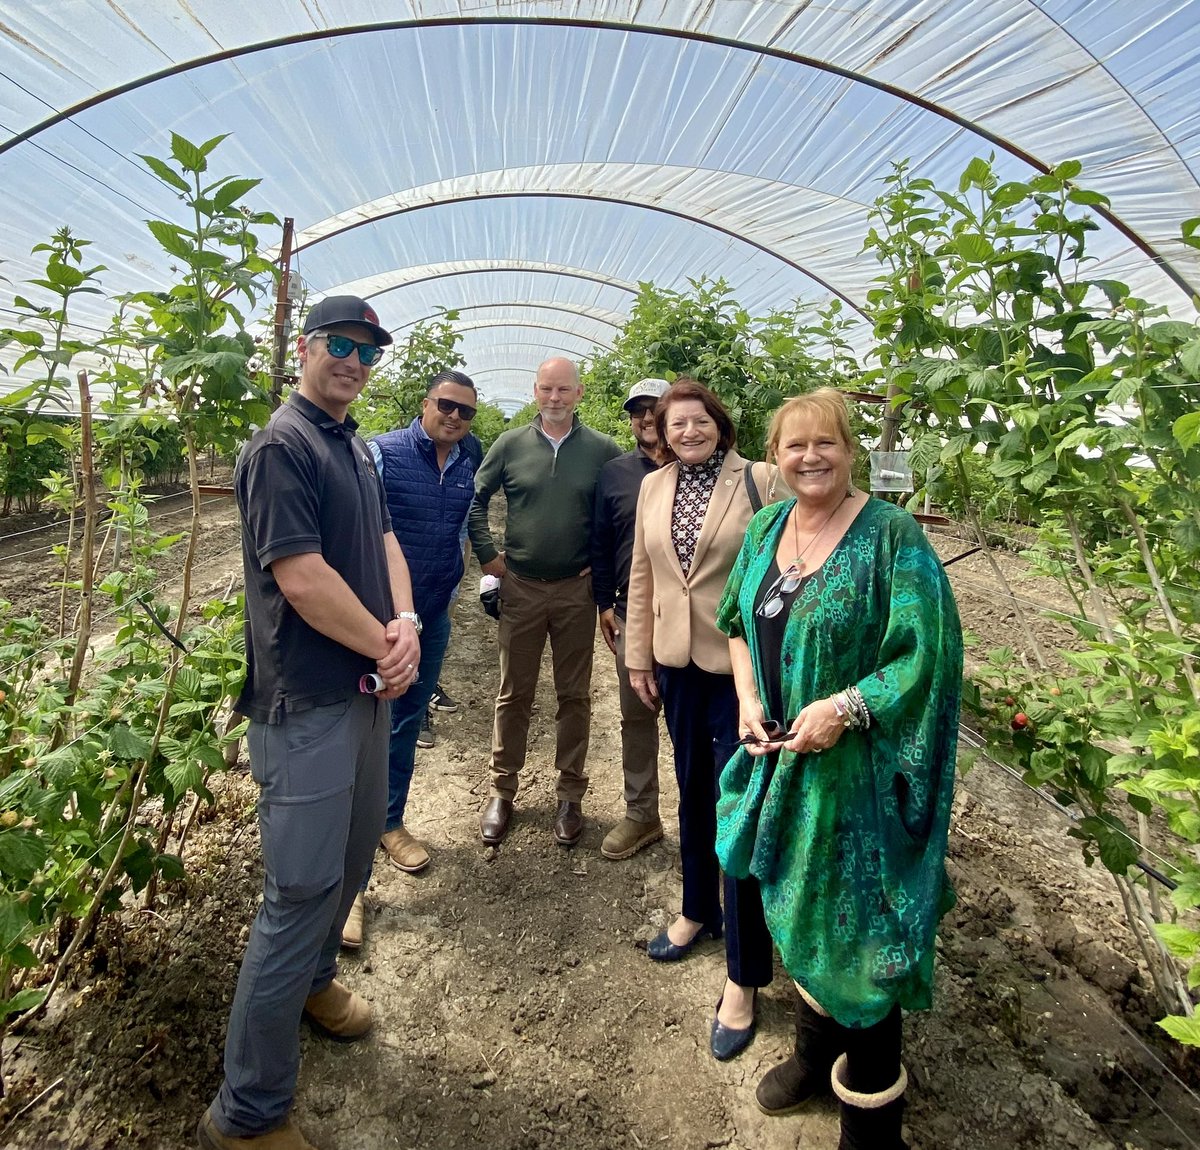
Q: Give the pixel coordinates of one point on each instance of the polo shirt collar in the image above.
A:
(320, 416)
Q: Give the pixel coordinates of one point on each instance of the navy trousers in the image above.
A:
(701, 710)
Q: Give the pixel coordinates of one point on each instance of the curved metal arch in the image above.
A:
(483, 325)
(371, 287)
(423, 197)
(600, 315)
(770, 51)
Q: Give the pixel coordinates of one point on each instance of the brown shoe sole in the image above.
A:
(406, 869)
(629, 852)
(333, 1034)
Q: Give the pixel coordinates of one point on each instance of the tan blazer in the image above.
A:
(670, 617)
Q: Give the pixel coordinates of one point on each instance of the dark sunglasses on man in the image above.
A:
(340, 346)
(641, 411)
(446, 406)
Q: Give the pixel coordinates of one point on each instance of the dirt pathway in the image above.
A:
(517, 1009)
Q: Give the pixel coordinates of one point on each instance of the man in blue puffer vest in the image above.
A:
(429, 480)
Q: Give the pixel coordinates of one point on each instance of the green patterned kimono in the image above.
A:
(849, 843)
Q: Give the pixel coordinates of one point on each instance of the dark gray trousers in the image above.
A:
(322, 776)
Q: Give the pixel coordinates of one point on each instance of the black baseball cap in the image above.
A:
(345, 309)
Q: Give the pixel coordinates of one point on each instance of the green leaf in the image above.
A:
(1186, 430)
(974, 248)
(1179, 940)
(1118, 850)
(170, 239)
(22, 854)
(1185, 1030)
(126, 743)
(1189, 356)
(1087, 199)
(1039, 475)
(232, 191)
(1067, 170)
(23, 1000)
(165, 173)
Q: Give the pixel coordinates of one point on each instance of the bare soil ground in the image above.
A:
(516, 1008)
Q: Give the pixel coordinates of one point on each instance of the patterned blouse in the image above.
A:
(693, 490)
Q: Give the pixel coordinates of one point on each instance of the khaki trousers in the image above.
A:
(639, 744)
(532, 610)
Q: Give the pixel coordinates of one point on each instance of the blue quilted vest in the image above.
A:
(428, 509)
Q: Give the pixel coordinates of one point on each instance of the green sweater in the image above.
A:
(550, 496)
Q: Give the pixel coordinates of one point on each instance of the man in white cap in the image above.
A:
(612, 550)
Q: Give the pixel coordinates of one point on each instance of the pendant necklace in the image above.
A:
(798, 562)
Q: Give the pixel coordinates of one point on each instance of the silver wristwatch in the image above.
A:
(411, 616)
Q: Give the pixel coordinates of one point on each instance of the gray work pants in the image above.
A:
(323, 794)
(639, 744)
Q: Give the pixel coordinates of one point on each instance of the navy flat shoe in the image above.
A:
(725, 1042)
(662, 949)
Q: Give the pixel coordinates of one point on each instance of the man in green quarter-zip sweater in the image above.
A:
(548, 471)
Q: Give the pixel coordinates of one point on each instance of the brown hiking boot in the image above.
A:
(404, 852)
(352, 931)
(338, 1012)
(628, 837)
(285, 1137)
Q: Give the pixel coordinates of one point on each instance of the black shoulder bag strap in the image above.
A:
(752, 489)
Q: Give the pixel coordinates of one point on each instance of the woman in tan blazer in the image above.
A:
(691, 519)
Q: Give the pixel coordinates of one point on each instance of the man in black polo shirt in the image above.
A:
(328, 601)
(612, 556)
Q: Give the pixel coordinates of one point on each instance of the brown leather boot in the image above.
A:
(352, 931)
(338, 1012)
(404, 852)
(568, 824)
(493, 822)
(285, 1137)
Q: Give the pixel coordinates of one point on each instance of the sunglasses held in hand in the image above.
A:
(776, 733)
(340, 346)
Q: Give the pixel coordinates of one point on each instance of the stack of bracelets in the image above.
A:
(851, 709)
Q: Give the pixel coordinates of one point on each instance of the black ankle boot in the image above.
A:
(869, 1121)
(788, 1086)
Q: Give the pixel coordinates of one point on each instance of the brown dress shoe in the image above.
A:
(338, 1012)
(493, 822)
(404, 852)
(285, 1137)
(568, 825)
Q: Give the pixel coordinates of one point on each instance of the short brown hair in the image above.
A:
(826, 407)
(687, 388)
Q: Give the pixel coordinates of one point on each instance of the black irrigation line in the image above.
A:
(110, 614)
(62, 522)
(970, 738)
(975, 742)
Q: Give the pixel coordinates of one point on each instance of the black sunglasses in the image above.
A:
(340, 346)
(776, 733)
(642, 410)
(446, 406)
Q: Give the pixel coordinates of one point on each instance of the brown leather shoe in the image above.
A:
(493, 821)
(285, 1137)
(338, 1012)
(568, 825)
(352, 931)
(404, 852)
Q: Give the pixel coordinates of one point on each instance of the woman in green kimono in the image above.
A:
(847, 657)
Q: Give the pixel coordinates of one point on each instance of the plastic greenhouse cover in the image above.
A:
(531, 162)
